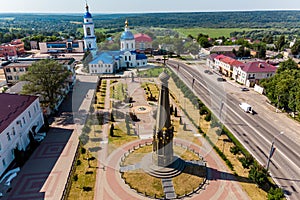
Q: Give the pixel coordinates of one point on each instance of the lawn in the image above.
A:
(144, 183)
(192, 177)
(153, 72)
(84, 178)
(118, 91)
(151, 88)
(138, 155)
(212, 32)
(120, 137)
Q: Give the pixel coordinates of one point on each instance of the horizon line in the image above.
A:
(147, 12)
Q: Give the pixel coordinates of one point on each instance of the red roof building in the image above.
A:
(143, 42)
(14, 48)
(226, 64)
(250, 73)
(20, 115)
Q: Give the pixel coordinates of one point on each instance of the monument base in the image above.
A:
(163, 172)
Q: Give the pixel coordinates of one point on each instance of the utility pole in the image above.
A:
(272, 150)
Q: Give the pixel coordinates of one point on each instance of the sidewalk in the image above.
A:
(45, 174)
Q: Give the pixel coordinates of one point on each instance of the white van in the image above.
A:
(246, 107)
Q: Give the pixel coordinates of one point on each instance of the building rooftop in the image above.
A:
(11, 106)
(224, 48)
(141, 37)
(127, 35)
(253, 67)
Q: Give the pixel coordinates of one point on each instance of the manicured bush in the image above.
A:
(75, 177)
(78, 162)
(208, 117)
(87, 189)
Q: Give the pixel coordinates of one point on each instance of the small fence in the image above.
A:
(68, 184)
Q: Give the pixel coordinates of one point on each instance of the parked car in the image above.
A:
(221, 79)
(244, 89)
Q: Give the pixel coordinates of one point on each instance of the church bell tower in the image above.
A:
(89, 31)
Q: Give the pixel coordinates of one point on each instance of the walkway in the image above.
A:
(110, 186)
(45, 174)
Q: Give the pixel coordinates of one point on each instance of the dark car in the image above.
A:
(244, 89)
(221, 79)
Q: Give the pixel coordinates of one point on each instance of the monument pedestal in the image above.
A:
(172, 170)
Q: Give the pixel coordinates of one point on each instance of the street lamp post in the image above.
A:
(272, 149)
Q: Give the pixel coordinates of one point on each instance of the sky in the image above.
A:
(142, 6)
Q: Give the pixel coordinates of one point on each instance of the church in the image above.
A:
(108, 62)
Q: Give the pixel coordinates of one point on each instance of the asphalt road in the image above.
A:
(255, 132)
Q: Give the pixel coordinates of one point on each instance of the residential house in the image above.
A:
(210, 61)
(14, 70)
(143, 43)
(13, 48)
(20, 116)
(250, 73)
(225, 64)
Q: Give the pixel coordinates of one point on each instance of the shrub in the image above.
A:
(275, 194)
(246, 161)
(203, 110)
(75, 177)
(258, 174)
(208, 117)
(234, 150)
(86, 129)
(84, 139)
(78, 162)
(87, 189)
(83, 150)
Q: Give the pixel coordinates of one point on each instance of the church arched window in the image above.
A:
(132, 45)
(90, 45)
(127, 46)
(88, 31)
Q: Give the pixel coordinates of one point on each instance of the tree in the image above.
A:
(203, 41)
(45, 78)
(258, 174)
(280, 42)
(287, 65)
(296, 48)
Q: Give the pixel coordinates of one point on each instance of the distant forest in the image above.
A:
(65, 25)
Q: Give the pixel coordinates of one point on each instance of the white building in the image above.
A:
(66, 46)
(251, 73)
(111, 61)
(20, 115)
(89, 31)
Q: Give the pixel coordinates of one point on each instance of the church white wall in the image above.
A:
(101, 68)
